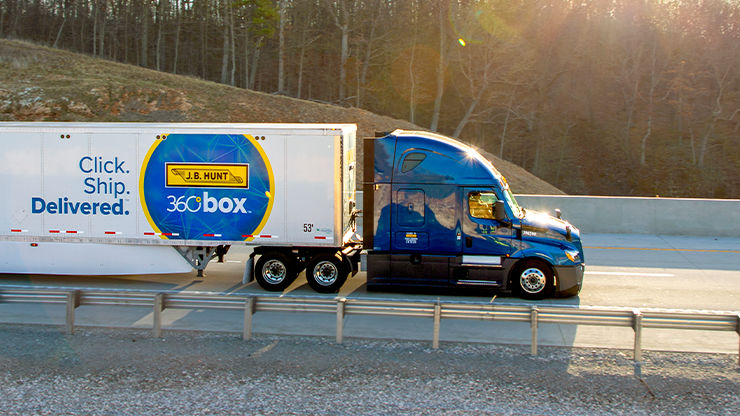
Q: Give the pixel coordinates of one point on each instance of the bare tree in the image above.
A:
(281, 48)
(442, 65)
(341, 14)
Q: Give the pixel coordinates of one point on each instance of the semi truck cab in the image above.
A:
(438, 214)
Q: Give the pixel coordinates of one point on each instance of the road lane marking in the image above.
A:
(631, 274)
(662, 249)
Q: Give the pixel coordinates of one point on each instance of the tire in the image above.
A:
(533, 280)
(274, 271)
(326, 273)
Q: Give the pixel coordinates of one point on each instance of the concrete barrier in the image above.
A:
(657, 216)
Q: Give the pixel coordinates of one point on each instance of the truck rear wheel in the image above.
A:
(274, 271)
(533, 280)
(326, 273)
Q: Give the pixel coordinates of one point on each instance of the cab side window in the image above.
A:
(481, 204)
(411, 161)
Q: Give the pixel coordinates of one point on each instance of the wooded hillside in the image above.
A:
(612, 97)
(42, 84)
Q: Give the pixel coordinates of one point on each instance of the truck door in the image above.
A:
(485, 240)
(423, 233)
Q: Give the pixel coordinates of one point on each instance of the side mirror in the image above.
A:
(499, 211)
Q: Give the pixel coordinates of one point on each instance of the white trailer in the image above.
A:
(130, 198)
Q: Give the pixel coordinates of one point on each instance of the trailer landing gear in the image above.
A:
(198, 257)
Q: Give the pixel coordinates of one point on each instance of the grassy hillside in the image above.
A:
(43, 84)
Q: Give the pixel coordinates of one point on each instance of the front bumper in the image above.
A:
(569, 277)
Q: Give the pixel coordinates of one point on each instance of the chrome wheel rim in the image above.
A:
(325, 273)
(533, 280)
(274, 272)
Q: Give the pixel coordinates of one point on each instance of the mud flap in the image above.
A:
(248, 270)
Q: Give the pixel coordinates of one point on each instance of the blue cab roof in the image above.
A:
(406, 156)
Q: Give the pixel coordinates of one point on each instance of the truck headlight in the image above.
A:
(573, 255)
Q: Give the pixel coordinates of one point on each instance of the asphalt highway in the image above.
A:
(638, 271)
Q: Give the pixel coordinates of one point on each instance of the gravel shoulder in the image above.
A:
(102, 371)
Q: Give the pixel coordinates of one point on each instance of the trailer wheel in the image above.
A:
(533, 280)
(326, 273)
(274, 271)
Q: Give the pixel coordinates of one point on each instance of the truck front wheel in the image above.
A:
(326, 273)
(533, 280)
(274, 271)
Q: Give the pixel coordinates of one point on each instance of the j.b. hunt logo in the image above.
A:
(208, 204)
(207, 175)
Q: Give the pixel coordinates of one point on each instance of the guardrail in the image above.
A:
(637, 319)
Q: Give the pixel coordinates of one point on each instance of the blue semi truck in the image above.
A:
(438, 214)
(145, 198)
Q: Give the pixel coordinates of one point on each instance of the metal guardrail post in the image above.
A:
(340, 320)
(534, 322)
(73, 301)
(249, 304)
(158, 308)
(437, 318)
(637, 326)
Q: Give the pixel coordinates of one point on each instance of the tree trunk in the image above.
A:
(225, 55)
(225, 58)
(281, 49)
(365, 65)
(441, 13)
(643, 145)
(203, 43)
(144, 34)
(246, 57)
(59, 34)
(345, 56)
(96, 7)
(2, 20)
(357, 79)
(300, 62)
(177, 37)
(562, 153)
(412, 103)
(654, 81)
(506, 125)
(631, 102)
(255, 59)
(101, 48)
(467, 116)
(705, 141)
(160, 35)
(233, 47)
(693, 148)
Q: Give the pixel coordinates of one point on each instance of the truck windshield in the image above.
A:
(515, 208)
